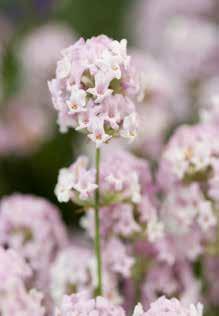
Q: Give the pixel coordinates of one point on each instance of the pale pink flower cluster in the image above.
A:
(74, 271)
(171, 280)
(193, 211)
(32, 227)
(190, 154)
(127, 198)
(166, 307)
(80, 304)
(15, 298)
(92, 89)
(76, 182)
(125, 176)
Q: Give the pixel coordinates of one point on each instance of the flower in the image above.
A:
(81, 305)
(117, 258)
(71, 273)
(76, 182)
(15, 298)
(125, 176)
(173, 307)
(170, 280)
(184, 208)
(95, 81)
(22, 218)
(189, 156)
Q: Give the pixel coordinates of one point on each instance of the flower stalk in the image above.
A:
(99, 290)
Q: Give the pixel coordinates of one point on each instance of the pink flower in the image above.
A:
(21, 220)
(169, 280)
(172, 307)
(91, 77)
(166, 307)
(15, 297)
(189, 155)
(79, 304)
(74, 270)
(76, 182)
(117, 258)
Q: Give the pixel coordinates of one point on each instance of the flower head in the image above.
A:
(76, 182)
(15, 297)
(94, 81)
(80, 305)
(21, 220)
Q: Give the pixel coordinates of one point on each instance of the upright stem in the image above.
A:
(99, 290)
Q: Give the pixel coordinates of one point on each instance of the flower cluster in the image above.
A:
(170, 280)
(123, 178)
(164, 306)
(92, 90)
(15, 298)
(22, 218)
(79, 304)
(74, 270)
(190, 154)
(193, 210)
(76, 182)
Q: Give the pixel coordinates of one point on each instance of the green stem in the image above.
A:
(99, 290)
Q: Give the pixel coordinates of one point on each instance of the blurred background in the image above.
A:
(179, 40)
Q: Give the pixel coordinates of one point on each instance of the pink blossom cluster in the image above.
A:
(92, 89)
(15, 297)
(177, 279)
(74, 271)
(80, 305)
(76, 182)
(190, 155)
(126, 194)
(166, 307)
(123, 177)
(32, 226)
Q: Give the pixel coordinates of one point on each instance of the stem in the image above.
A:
(99, 290)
